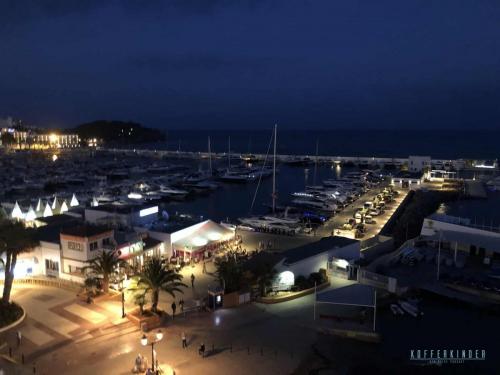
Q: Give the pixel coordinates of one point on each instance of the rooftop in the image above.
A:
(85, 230)
(58, 219)
(150, 243)
(326, 243)
(124, 209)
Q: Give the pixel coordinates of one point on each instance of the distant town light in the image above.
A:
(53, 138)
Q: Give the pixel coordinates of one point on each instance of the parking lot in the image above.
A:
(334, 225)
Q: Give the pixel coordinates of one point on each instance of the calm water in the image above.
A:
(235, 200)
(352, 142)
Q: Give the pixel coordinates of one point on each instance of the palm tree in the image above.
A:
(265, 276)
(155, 277)
(106, 264)
(15, 239)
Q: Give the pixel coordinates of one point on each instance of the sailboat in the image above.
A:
(273, 222)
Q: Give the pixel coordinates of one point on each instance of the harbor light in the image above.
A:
(286, 278)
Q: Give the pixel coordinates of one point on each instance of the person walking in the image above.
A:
(201, 350)
(184, 341)
(204, 267)
(174, 307)
(19, 337)
(192, 280)
(181, 304)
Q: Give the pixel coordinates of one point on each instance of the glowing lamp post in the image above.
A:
(145, 341)
(123, 297)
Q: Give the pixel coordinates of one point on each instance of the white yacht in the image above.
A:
(271, 222)
(171, 192)
(316, 204)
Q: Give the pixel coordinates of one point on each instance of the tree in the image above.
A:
(14, 240)
(140, 299)
(230, 273)
(155, 277)
(106, 264)
(265, 274)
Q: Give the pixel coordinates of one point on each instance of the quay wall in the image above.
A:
(458, 163)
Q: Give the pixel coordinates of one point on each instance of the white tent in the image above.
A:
(54, 204)
(31, 215)
(74, 202)
(48, 211)
(16, 212)
(64, 207)
(39, 206)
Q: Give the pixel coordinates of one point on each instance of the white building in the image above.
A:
(464, 238)
(410, 180)
(419, 163)
(312, 257)
(123, 215)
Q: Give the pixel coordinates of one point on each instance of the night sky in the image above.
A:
(220, 64)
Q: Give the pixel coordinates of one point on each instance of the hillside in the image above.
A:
(118, 132)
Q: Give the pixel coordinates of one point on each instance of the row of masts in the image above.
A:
(275, 136)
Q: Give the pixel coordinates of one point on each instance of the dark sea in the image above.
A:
(439, 144)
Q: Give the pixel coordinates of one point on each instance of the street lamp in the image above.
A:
(146, 341)
(123, 298)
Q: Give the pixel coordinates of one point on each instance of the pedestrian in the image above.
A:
(204, 267)
(19, 336)
(201, 350)
(174, 306)
(192, 280)
(184, 341)
(181, 304)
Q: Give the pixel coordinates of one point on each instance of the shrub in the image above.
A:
(315, 277)
(301, 282)
(9, 313)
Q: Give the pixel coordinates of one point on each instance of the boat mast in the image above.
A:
(316, 162)
(209, 157)
(274, 169)
(229, 154)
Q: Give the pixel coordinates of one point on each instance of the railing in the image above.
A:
(56, 283)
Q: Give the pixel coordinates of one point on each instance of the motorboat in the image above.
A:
(410, 309)
(316, 204)
(396, 310)
(202, 186)
(171, 192)
(494, 184)
(271, 222)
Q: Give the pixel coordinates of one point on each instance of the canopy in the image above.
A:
(205, 235)
(353, 295)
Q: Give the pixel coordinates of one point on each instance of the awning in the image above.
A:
(352, 295)
(208, 234)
